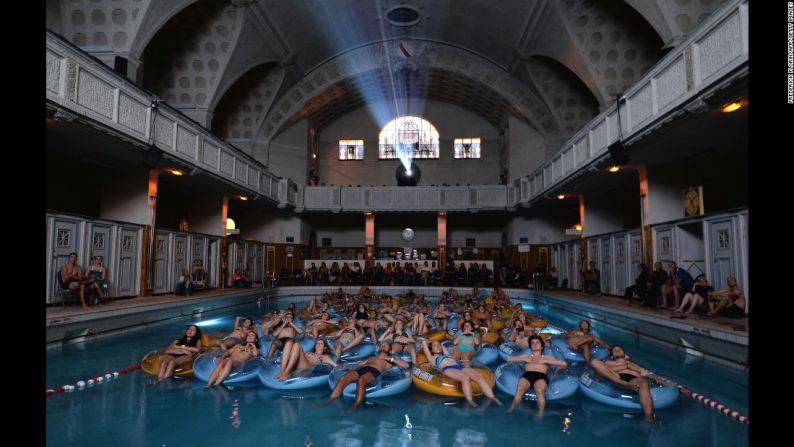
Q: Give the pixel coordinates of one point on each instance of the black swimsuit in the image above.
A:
(534, 376)
(627, 377)
(368, 369)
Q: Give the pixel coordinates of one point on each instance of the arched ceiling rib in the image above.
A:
(456, 74)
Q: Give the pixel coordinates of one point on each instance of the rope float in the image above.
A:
(705, 400)
(83, 384)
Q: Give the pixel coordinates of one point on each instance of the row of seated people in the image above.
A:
(197, 279)
(677, 290)
(90, 287)
(397, 273)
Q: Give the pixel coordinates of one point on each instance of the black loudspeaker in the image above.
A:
(153, 156)
(618, 153)
(120, 65)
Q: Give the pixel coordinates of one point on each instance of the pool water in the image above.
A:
(129, 411)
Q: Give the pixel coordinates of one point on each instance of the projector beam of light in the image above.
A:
(398, 85)
(402, 154)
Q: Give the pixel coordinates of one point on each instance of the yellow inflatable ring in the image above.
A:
(491, 337)
(497, 324)
(151, 364)
(539, 324)
(427, 378)
(437, 336)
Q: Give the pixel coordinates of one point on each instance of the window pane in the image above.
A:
(351, 149)
(409, 137)
(467, 148)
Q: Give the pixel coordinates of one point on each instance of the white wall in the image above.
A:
(526, 150)
(126, 199)
(451, 122)
(206, 215)
(665, 195)
(539, 230)
(272, 228)
(289, 153)
(602, 215)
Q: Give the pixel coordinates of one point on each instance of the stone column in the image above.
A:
(369, 238)
(147, 261)
(442, 240)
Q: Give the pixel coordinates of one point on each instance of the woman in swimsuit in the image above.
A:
(450, 368)
(235, 336)
(234, 357)
(361, 313)
(581, 338)
(294, 358)
(348, 337)
(400, 340)
(419, 324)
(283, 335)
(520, 335)
(465, 343)
(482, 316)
(320, 324)
(442, 317)
(180, 352)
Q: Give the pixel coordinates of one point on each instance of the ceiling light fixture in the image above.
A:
(732, 107)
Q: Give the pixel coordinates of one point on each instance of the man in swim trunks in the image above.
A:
(366, 373)
(72, 278)
(628, 375)
(536, 365)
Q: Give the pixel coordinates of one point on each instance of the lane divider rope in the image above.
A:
(83, 384)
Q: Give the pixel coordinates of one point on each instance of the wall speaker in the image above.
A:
(153, 156)
(618, 153)
(120, 65)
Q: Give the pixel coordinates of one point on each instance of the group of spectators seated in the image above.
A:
(193, 280)
(90, 286)
(677, 290)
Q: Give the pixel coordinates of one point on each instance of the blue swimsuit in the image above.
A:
(441, 358)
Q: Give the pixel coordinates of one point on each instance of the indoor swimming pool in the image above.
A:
(129, 410)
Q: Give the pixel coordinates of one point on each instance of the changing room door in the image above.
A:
(606, 266)
(664, 247)
(65, 240)
(621, 280)
(160, 282)
(722, 243)
(128, 265)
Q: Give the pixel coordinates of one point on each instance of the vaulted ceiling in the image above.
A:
(247, 69)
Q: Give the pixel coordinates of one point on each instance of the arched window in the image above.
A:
(409, 136)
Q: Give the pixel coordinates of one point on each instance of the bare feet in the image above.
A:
(513, 406)
(498, 402)
(472, 403)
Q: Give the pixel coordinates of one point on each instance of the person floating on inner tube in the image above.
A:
(450, 368)
(626, 374)
(580, 338)
(294, 358)
(536, 365)
(180, 352)
(234, 357)
(365, 374)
